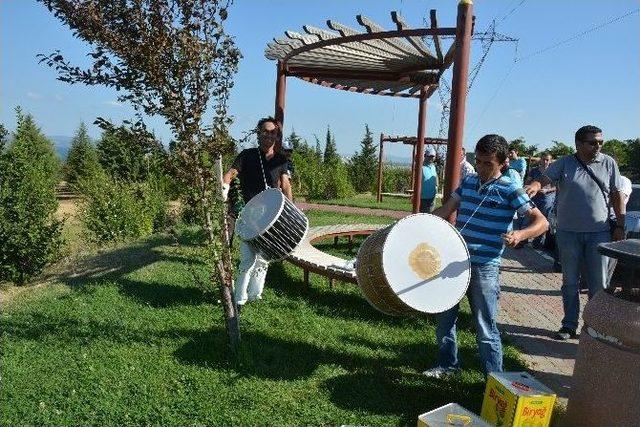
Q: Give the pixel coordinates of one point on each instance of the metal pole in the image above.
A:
(419, 156)
(458, 98)
(281, 88)
(413, 163)
(380, 159)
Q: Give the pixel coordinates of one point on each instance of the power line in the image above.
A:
(511, 11)
(576, 36)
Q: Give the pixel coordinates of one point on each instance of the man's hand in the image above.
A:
(225, 191)
(512, 238)
(533, 188)
(618, 234)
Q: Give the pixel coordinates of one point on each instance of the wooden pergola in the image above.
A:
(384, 62)
(406, 140)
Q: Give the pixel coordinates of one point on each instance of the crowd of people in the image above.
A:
(501, 203)
(583, 196)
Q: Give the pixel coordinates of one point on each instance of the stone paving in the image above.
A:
(530, 308)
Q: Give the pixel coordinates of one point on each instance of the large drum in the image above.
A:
(419, 264)
(272, 225)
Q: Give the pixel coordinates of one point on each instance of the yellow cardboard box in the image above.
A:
(450, 415)
(517, 399)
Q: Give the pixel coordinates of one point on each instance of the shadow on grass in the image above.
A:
(116, 265)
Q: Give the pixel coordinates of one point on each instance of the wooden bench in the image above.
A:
(313, 260)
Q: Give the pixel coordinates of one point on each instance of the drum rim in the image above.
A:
(282, 202)
(464, 244)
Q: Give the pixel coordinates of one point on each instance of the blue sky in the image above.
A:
(594, 78)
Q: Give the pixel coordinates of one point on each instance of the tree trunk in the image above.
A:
(225, 269)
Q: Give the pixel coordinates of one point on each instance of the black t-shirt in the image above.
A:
(250, 173)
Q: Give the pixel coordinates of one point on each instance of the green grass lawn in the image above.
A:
(369, 201)
(130, 339)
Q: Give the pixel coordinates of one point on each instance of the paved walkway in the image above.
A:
(530, 308)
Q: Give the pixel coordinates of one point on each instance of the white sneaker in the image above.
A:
(439, 372)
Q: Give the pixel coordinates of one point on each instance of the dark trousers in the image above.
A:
(426, 205)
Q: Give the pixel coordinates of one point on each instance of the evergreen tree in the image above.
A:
(294, 140)
(129, 153)
(363, 164)
(319, 155)
(330, 150)
(30, 235)
(82, 159)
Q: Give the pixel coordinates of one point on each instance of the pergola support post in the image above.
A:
(419, 152)
(380, 159)
(458, 97)
(281, 88)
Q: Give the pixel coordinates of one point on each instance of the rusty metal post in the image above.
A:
(380, 159)
(458, 97)
(419, 152)
(281, 88)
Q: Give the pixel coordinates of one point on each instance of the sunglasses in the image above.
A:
(593, 143)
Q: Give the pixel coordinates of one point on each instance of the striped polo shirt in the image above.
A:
(486, 211)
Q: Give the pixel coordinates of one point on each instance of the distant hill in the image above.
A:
(62, 144)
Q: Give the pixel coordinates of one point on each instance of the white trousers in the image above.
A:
(252, 273)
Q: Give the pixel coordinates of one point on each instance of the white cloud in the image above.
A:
(518, 113)
(58, 97)
(113, 103)
(34, 95)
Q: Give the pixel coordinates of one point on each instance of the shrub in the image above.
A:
(116, 211)
(396, 179)
(30, 235)
(338, 185)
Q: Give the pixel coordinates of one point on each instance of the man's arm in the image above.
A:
(450, 206)
(538, 225)
(620, 209)
(229, 176)
(285, 186)
(535, 186)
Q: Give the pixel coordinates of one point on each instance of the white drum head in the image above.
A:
(424, 238)
(260, 213)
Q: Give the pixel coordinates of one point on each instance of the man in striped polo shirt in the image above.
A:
(485, 203)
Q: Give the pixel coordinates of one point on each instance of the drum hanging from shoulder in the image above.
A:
(272, 225)
(419, 264)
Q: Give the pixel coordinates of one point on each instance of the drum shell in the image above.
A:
(283, 233)
(372, 279)
(394, 286)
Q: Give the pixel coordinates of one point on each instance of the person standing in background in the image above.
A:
(466, 168)
(429, 181)
(516, 162)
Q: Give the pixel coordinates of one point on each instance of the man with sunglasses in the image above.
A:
(257, 168)
(589, 211)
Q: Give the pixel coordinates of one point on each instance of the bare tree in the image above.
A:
(167, 58)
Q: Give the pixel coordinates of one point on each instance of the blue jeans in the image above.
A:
(483, 294)
(579, 253)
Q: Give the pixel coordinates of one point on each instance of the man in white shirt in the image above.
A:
(465, 167)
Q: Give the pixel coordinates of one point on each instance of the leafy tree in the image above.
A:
(330, 149)
(530, 150)
(560, 149)
(519, 145)
(319, 155)
(634, 158)
(168, 58)
(619, 150)
(363, 164)
(82, 158)
(129, 152)
(3, 137)
(30, 235)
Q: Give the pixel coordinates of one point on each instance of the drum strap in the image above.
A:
(264, 177)
(489, 187)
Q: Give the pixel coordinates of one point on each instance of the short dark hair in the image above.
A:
(586, 130)
(513, 147)
(545, 154)
(490, 144)
(267, 120)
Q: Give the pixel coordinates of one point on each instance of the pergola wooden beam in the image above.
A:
(380, 62)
